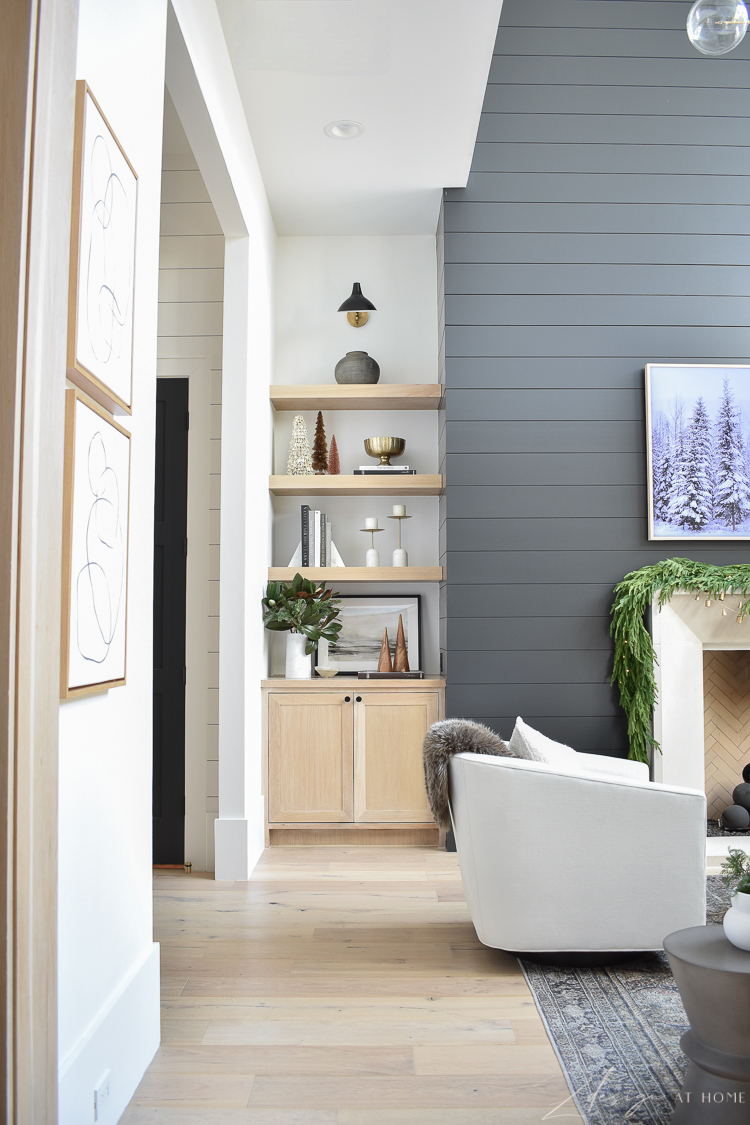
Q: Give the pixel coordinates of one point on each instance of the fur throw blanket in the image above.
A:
(453, 736)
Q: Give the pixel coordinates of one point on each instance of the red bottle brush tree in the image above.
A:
(334, 465)
(320, 447)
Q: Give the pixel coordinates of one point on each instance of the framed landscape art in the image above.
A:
(364, 617)
(95, 549)
(698, 449)
(102, 260)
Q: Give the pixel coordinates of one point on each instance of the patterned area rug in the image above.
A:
(617, 1032)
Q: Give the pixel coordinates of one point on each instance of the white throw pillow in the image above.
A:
(525, 742)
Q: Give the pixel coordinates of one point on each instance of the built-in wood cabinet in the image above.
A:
(389, 728)
(348, 757)
(309, 757)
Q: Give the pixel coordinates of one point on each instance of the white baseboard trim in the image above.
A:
(122, 1038)
(239, 845)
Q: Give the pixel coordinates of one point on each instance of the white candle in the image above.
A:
(371, 523)
(399, 509)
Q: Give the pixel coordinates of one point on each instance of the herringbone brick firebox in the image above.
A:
(726, 697)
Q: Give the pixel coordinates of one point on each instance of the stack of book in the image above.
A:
(316, 537)
(384, 470)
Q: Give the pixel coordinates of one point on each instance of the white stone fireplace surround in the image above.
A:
(681, 631)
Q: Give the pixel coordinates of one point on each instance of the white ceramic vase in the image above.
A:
(737, 921)
(298, 665)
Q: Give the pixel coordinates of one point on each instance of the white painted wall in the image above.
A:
(314, 275)
(202, 85)
(191, 291)
(398, 274)
(108, 965)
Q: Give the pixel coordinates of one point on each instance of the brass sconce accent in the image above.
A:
(357, 307)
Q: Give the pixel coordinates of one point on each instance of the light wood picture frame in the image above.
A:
(698, 451)
(96, 503)
(102, 260)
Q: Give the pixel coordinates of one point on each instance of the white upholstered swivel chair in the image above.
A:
(562, 859)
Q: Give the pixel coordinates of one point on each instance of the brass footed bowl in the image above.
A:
(385, 448)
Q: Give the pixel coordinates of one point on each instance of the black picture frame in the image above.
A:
(386, 609)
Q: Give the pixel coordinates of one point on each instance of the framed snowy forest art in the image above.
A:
(698, 446)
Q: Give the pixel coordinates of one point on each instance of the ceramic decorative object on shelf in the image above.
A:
(327, 673)
(306, 611)
(372, 558)
(384, 448)
(737, 921)
(298, 664)
(357, 367)
(735, 875)
(400, 557)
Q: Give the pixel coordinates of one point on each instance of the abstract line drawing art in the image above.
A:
(97, 469)
(102, 265)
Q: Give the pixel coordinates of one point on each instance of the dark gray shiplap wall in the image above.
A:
(604, 225)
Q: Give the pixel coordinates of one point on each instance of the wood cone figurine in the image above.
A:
(401, 661)
(334, 465)
(384, 662)
(320, 448)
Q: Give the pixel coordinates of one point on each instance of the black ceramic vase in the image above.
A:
(357, 367)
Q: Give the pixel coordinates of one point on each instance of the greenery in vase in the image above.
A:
(736, 869)
(634, 653)
(302, 607)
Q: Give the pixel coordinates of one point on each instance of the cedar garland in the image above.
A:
(634, 652)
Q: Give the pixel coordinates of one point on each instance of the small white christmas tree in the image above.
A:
(299, 462)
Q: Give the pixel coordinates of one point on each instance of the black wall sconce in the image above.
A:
(357, 307)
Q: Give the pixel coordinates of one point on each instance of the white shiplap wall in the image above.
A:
(191, 287)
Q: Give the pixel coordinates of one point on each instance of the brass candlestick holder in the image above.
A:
(372, 558)
(400, 557)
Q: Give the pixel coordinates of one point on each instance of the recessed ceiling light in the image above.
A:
(344, 130)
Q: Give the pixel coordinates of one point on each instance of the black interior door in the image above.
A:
(170, 566)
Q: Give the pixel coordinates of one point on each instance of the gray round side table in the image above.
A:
(713, 977)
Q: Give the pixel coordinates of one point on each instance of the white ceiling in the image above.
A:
(412, 72)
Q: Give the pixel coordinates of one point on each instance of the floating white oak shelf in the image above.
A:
(336, 574)
(419, 485)
(370, 396)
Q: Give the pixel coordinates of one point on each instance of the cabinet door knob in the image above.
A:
(347, 699)
(359, 699)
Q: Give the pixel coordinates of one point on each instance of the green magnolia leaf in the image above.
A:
(303, 607)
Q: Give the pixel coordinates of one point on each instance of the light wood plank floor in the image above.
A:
(340, 986)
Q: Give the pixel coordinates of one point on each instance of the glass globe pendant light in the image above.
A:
(717, 26)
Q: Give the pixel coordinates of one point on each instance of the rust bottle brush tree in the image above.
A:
(334, 464)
